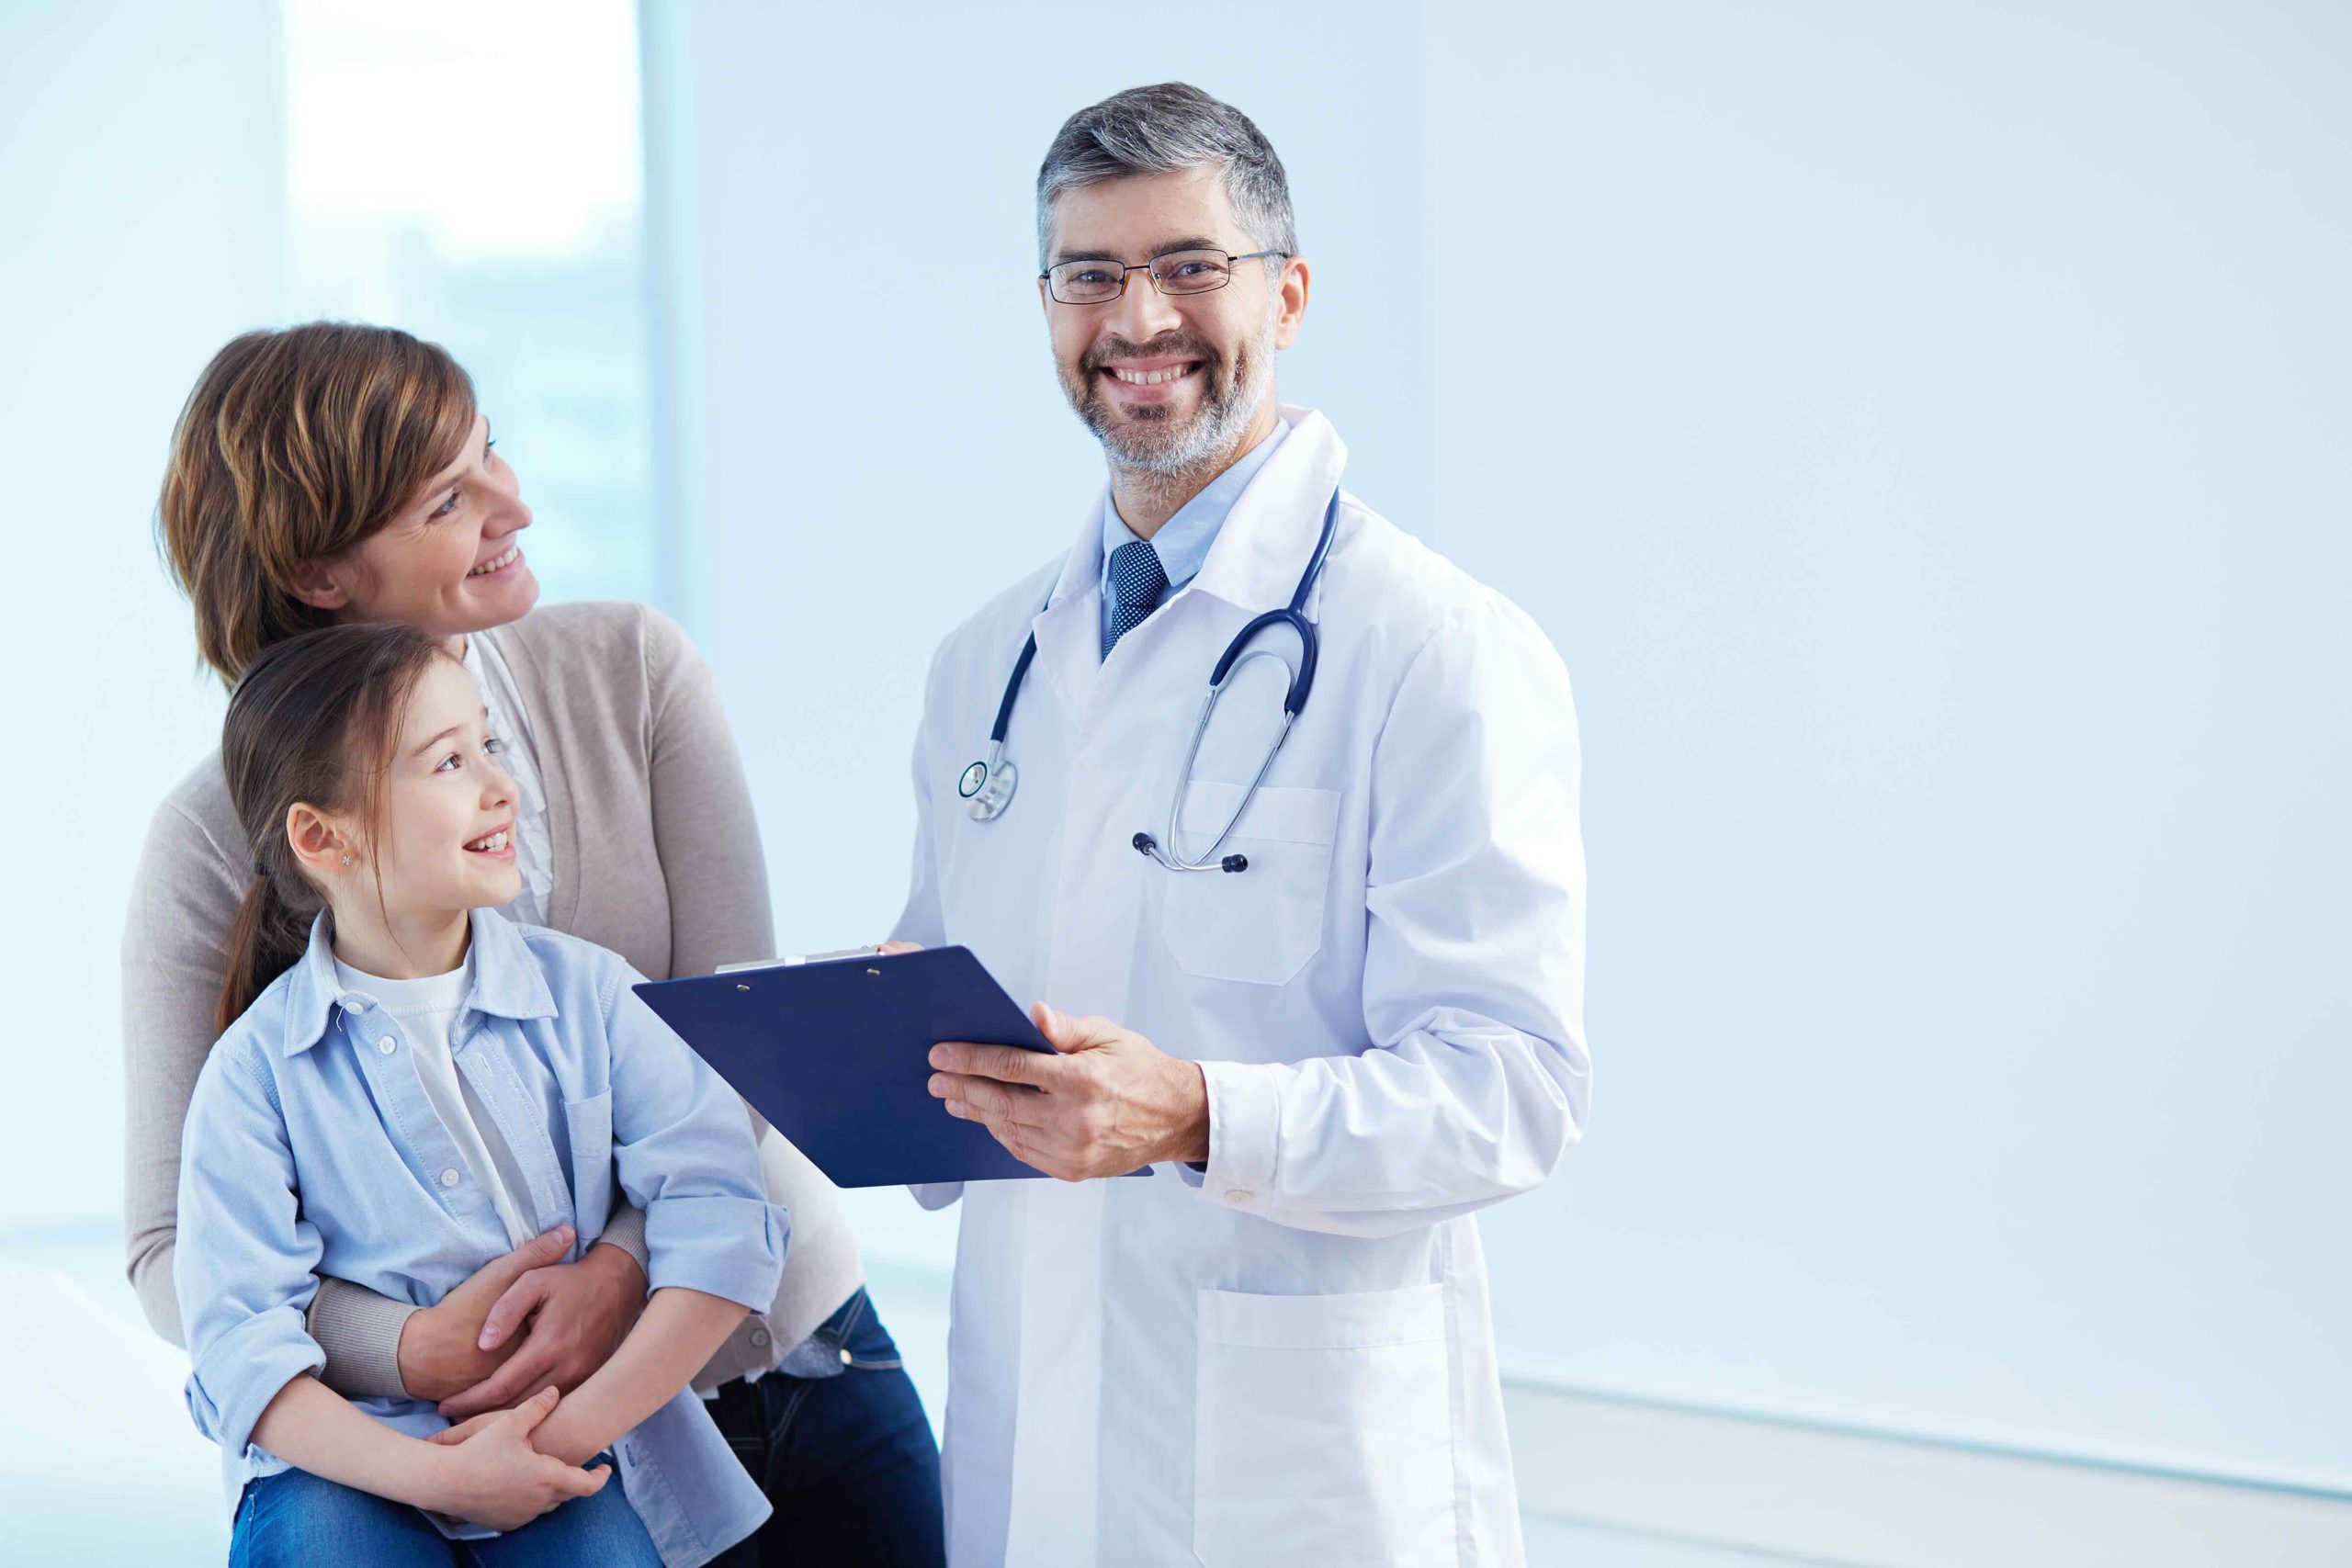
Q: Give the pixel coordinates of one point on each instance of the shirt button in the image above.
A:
(386, 1046)
(846, 1359)
(449, 1177)
(760, 1337)
(1238, 1195)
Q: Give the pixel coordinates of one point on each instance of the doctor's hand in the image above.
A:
(1107, 1103)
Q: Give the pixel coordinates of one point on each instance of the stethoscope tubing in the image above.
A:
(988, 786)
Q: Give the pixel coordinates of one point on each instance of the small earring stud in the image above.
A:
(346, 860)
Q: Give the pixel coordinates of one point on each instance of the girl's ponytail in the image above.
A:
(313, 722)
(264, 943)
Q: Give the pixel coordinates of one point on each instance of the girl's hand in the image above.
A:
(494, 1477)
(450, 1436)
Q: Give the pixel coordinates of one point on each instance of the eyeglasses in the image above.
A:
(1178, 272)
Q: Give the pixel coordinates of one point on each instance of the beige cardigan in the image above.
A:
(656, 856)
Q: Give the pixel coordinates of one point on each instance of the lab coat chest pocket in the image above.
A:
(588, 1126)
(1260, 925)
(1323, 1430)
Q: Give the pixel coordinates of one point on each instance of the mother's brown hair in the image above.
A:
(294, 447)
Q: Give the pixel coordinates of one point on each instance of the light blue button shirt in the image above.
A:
(1183, 541)
(311, 1149)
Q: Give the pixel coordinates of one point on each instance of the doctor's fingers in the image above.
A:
(1006, 1063)
(1002, 1103)
(1024, 1143)
(1069, 1032)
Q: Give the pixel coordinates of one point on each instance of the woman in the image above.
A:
(331, 473)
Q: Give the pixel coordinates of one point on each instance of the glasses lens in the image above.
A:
(1086, 282)
(1191, 271)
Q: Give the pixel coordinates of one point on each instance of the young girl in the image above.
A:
(409, 1084)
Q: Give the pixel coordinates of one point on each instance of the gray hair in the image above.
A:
(1164, 130)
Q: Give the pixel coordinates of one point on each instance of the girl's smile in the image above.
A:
(498, 844)
(443, 844)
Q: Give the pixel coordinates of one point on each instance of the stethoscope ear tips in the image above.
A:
(1142, 842)
(1237, 862)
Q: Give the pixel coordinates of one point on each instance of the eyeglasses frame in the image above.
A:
(1125, 268)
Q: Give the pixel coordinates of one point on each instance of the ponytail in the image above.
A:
(313, 722)
(264, 943)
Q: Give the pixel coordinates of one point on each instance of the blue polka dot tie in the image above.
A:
(1136, 583)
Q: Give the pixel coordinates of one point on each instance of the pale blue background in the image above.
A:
(1922, 430)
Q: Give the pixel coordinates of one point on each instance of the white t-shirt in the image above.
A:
(427, 1010)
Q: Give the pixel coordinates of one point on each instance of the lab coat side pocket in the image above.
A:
(1262, 925)
(588, 1126)
(1323, 1430)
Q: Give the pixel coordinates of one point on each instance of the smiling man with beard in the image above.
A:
(1329, 931)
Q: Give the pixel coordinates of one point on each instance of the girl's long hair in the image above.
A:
(314, 722)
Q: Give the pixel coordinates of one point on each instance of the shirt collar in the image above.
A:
(1256, 558)
(1183, 541)
(506, 980)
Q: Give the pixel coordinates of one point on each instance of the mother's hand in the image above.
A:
(522, 1322)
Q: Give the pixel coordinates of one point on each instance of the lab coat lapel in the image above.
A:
(1069, 629)
(1269, 536)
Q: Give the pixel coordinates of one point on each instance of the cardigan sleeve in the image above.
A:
(183, 903)
(703, 828)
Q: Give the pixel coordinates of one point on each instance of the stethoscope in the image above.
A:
(987, 787)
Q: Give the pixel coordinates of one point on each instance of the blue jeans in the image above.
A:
(294, 1518)
(837, 1437)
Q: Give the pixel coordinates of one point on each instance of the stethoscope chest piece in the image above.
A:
(987, 789)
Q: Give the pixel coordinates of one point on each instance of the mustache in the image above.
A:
(1167, 345)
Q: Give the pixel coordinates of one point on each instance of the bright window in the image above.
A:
(473, 173)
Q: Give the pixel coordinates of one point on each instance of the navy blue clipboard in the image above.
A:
(836, 1055)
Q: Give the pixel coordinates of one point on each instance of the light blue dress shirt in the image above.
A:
(1183, 541)
(311, 1148)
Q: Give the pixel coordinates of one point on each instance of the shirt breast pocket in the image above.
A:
(1258, 926)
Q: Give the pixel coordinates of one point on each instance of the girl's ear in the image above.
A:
(319, 841)
(322, 586)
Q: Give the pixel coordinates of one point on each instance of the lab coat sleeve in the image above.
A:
(922, 920)
(247, 1256)
(1477, 1079)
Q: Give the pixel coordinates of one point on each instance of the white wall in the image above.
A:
(140, 159)
(1921, 429)
(1942, 509)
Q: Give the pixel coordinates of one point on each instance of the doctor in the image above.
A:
(1356, 1025)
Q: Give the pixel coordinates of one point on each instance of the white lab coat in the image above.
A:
(1288, 1360)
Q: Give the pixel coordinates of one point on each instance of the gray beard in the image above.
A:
(1152, 449)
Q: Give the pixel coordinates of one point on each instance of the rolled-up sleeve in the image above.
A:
(247, 1258)
(683, 1154)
